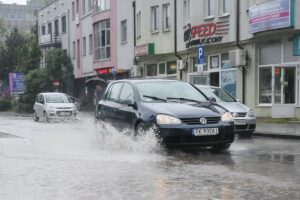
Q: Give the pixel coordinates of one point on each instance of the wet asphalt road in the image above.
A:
(77, 161)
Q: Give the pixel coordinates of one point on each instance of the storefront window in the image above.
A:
(228, 81)
(171, 67)
(225, 63)
(152, 70)
(162, 68)
(214, 62)
(265, 85)
(270, 55)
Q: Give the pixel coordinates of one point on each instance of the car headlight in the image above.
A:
(251, 113)
(51, 108)
(227, 117)
(167, 119)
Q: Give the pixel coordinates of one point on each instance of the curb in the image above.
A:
(275, 135)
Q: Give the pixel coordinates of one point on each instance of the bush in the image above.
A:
(5, 105)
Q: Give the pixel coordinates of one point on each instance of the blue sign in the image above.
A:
(114, 70)
(200, 55)
(16, 82)
(271, 15)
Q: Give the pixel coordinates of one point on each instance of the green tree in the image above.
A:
(12, 54)
(32, 56)
(59, 67)
(37, 81)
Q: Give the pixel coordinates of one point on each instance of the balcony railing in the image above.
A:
(50, 40)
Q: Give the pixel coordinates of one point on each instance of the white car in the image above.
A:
(244, 117)
(53, 105)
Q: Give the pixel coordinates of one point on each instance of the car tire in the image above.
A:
(221, 147)
(140, 130)
(246, 134)
(36, 118)
(47, 119)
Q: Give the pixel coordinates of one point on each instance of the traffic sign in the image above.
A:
(114, 70)
(200, 55)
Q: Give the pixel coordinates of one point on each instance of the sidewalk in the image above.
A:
(285, 131)
(14, 114)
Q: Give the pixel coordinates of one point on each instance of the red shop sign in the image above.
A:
(204, 30)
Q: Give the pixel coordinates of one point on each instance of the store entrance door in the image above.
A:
(284, 92)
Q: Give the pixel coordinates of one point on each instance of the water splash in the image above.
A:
(111, 139)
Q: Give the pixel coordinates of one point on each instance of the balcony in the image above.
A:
(50, 40)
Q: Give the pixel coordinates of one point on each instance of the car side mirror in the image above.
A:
(129, 103)
(212, 99)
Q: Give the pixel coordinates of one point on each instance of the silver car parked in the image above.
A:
(244, 117)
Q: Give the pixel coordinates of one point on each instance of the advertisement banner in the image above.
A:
(16, 82)
(272, 15)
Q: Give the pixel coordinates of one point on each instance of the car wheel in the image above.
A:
(36, 118)
(46, 117)
(140, 130)
(246, 134)
(221, 147)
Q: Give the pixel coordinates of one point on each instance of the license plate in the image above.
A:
(64, 114)
(205, 131)
(239, 121)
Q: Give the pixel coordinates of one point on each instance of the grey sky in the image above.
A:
(23, 2)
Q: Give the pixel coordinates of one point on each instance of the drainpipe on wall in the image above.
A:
(175, 35)
(134, 31)
(239, 46)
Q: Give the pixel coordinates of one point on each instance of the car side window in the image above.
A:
(114, 91)
(127, 94)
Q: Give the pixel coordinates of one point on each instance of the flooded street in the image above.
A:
(77, 161)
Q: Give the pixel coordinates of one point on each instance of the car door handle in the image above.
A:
(116, 110)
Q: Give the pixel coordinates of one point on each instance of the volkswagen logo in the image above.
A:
(203, 121)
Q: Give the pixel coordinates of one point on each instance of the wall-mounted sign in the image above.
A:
(296, 45)
(145, 49)
(271, 15)
(16, 82)
(205, 34)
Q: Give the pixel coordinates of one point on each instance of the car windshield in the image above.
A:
(57, 98)
(218, 94)
(163, 91)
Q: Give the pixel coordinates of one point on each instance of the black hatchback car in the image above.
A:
(178, 111)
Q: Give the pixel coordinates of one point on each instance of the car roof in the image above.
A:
(207, 86)
(135, 81)
(45, 93)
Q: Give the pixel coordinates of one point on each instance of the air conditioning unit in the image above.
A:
(238, 57)
(182, 64)
(136, 71)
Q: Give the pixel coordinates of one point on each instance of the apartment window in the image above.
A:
(211, 7)
(78, 54)
(43, 30)
(90, 4)
(64, 24)
(154, 18)
(49, 28)
(124, 31)
(83, 6)
(73, 10)
(74, 50)
(84, 46)
(138, 24)
(102, 5)
(166, 17)
(102, 40)
(90, 44)
(186, 11)
(225, 6)
(77, 6)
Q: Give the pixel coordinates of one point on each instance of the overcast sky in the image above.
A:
(14, 1)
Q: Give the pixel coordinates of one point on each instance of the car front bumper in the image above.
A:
(244, 125)
(62, 113)
(181, 135)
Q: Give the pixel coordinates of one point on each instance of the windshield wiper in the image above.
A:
(155, 98)
(183, 99)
